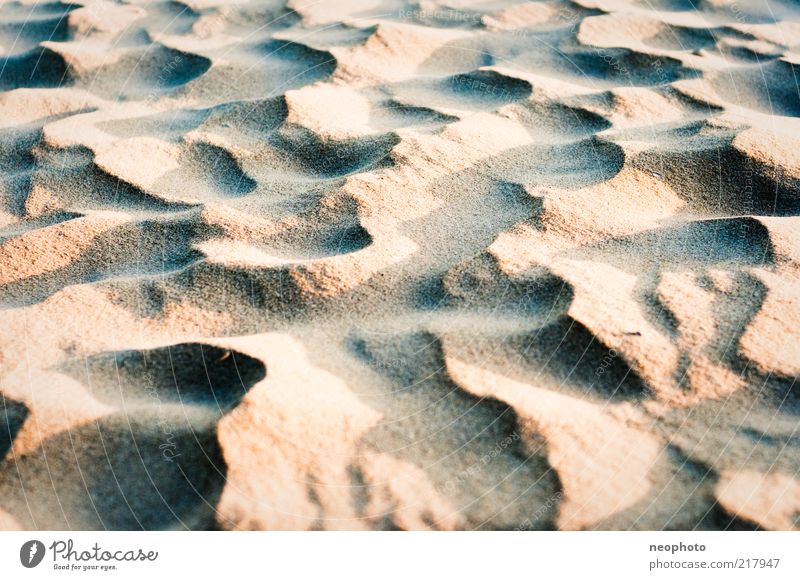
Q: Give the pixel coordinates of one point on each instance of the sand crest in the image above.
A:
(382, 264)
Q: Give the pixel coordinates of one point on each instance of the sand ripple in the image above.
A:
(380, 265)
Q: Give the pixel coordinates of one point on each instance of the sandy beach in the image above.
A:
(379, 265)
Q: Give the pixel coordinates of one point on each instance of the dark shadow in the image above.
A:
(469, 447)
(37, 68)
(183, 374)
(332, 159)
(12, 416)
(156, 464)
(695, 244)
(570, 352)
(204, 167)
(24, 26)
(122, 472)
(149, 247)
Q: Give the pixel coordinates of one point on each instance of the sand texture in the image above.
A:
(377, 264)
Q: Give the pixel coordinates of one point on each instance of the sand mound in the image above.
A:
(398, 265)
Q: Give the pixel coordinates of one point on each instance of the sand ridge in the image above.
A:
(457, 264)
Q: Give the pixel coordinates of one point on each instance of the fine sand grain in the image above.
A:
(379, 264)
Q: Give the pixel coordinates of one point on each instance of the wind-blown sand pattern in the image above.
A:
(379, 264)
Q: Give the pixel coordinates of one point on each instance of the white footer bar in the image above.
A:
(464, 555)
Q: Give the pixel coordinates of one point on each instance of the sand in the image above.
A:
(380, 264)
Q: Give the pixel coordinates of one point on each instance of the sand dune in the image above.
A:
(458, 264)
